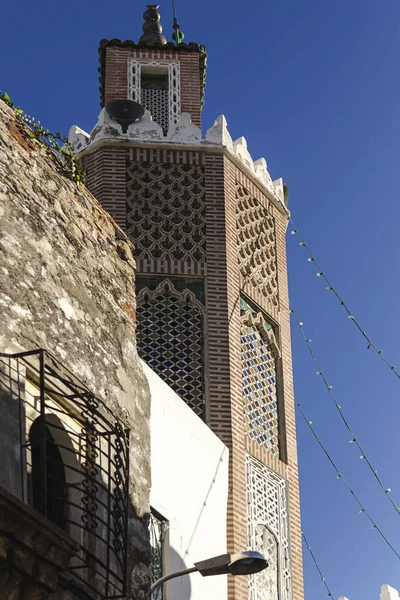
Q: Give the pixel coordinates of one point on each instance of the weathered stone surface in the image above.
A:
(67, 285)
(33, 551)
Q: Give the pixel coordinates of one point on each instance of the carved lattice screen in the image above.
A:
(170, 339)
(256, 245)
(268, 531)
(260, 403)
(166, 211)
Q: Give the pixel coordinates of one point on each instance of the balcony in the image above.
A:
(70, 464)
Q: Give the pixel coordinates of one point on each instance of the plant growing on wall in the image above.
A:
(62, 150)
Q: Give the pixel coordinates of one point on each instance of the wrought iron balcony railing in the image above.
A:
(72, 465)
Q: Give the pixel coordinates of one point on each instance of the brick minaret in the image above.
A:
(212, 293)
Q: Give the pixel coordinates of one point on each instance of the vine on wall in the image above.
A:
(63, 151)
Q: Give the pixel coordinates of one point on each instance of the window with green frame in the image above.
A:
(158, 527)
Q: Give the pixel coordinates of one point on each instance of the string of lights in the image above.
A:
(329, 594)
(353, 439)
(340, 476)
(330, 287)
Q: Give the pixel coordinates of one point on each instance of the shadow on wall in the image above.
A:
(179, 588)
(214, 478)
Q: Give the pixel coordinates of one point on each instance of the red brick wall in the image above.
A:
(116, 77)
(224, 376)
(106, 179)
(289, 409)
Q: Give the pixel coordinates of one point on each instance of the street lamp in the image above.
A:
(244, 563)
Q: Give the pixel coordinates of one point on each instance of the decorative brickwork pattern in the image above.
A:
(260, 404)
(106, 179)
(170, 339)
(166, 211)
(256, 245)
(268, 531)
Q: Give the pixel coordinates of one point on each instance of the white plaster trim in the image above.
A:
(78, 138)
(105, 128)
(278, 189)
(146, 129)
(184, 131)
(174, 93)
(219, 134)
(241, 151)
(389, 593)
(174, 84)
(267, 502)
(261, 171)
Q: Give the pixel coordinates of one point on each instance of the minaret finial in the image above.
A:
(178, 35)
(152, 29)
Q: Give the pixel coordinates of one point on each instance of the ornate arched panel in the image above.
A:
(170, 339)
(256, 245)
(259, 350)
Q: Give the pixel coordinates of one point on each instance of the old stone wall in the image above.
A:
(67, 285)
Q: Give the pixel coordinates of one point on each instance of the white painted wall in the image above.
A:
(189, 470)
(387, 593)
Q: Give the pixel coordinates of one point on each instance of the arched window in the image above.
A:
(260, 402)
(170, 339)
(48, 475)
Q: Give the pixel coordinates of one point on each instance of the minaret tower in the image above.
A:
(209, 228)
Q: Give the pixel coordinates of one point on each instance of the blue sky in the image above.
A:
(314, 87)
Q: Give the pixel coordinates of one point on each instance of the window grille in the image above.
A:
(170, 340)
(87, 495)
(158, 527)
(260, 403)
(268, 531)
(156, 101)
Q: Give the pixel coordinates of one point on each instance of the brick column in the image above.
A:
(223, 341)
(289, 410)
(106, 179)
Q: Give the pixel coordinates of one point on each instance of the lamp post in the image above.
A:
(244, 563)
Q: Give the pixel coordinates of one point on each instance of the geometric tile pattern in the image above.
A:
(256, 245)
(268, 531)
(166, 210)
(260, 406)
(156, 101)
(170, 340)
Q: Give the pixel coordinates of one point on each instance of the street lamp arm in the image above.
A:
(244, 563)
(171, 576)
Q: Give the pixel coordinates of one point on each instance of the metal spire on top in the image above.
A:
(152, 29)
(178, 35)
